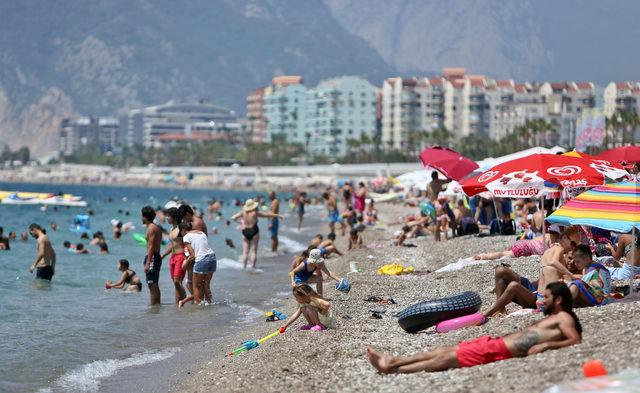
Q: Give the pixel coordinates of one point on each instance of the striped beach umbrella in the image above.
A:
(614, 207)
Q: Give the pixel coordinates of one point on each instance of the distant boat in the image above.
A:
(40, 198)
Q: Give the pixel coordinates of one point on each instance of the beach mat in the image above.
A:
(461, 264)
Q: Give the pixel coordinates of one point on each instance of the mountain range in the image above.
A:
(103, 57)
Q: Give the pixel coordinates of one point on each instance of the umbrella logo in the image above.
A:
(487, 175)
(568, 170)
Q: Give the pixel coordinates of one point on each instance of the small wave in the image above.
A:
(87, 377)
(228, 263)
(290, 245)
(248, 313)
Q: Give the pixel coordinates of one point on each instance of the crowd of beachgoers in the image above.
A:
(576, 266)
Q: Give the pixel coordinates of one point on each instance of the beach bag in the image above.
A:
(468, 226)
(506, 227)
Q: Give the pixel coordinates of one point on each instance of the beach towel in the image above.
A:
(394, 269)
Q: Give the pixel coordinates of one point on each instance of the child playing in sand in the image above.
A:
(355, 239)
(128, 277)
(315, 309)
(310, 271)
(400, 235)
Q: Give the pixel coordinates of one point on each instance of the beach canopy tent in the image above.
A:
(493, 161)
(416, 179)
(628, 154)
(530, 176)
(448, 161)
(613, 207)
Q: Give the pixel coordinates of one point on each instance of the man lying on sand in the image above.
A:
(561, 328)
(553, 267)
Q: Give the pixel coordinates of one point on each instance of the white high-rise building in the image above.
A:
(339, 110)
(409, 106)
(621, 96)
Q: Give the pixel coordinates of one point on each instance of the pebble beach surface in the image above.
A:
(335, 361)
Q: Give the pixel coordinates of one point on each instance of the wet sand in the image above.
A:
(335, 360)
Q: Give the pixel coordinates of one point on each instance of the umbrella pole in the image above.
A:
(634, 251)
(495, 209)
(544, 219)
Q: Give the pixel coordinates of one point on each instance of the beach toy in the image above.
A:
(343, 286)
(593, 368)
(107, 286)
(476, 319)
(80, 224)
(275, 315)
(423, 315)
(140, 239)
(249, 345)
(394, 269)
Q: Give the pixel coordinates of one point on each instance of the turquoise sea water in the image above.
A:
(73, 335)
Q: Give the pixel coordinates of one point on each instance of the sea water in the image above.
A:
(73, 335)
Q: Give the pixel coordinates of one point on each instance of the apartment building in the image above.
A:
(566, 101)
(83, 130)
(621, 96)
(285, 106)
(338, 110)
(256, 119)
(409, 106)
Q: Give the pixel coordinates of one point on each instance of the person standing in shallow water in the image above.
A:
(176, 250)
(274, 223)
(153, 259)
(250, 232)
(45, 263)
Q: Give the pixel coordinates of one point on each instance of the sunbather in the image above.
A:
(525, 248)
(553, 268)
(561, 328)
(595, 285)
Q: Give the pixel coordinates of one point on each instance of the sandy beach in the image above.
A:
(335, 360)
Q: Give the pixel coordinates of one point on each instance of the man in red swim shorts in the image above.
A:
(561, 328)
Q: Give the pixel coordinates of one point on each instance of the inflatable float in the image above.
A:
(423, 315)
(40, 198)
(80, 224)
(476, 319)
(141, 240)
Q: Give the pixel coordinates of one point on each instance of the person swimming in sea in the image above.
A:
(129, 280)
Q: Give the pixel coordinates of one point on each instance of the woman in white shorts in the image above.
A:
(204, 263)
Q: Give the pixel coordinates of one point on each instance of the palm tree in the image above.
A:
(441, 136)
(623, 122)
(631, 122)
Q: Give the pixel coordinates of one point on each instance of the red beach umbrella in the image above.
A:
(525, 177)
(448, 161)
(620, 154)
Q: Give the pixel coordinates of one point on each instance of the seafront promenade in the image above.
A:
(278, 177)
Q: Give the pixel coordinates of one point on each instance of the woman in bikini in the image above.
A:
(250, 232)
